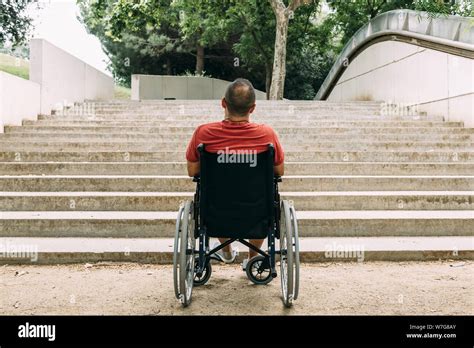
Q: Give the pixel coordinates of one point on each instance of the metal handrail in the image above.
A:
(451, 34)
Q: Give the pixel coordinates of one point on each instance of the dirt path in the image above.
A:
(326, 288)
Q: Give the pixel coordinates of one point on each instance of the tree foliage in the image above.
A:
(14, 22)
(348, 16)
(233, 38)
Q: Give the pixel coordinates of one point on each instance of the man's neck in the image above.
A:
(238, 119)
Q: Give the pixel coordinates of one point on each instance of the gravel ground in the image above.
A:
(377, 288)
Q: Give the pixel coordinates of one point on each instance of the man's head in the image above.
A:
(239, 100)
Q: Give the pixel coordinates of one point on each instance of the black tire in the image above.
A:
(258, 270)
(289, 258)
(183, 256)
(205, 276)
(177, 243)
(296, 252)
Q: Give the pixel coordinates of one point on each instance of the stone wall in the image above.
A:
(179, 87)
(65, 79)
(434, 82)
(19, 100)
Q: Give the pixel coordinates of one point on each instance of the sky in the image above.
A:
(56, 21)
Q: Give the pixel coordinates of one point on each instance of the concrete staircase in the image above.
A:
(102, 181)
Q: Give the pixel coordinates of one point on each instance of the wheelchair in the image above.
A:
(236, 201)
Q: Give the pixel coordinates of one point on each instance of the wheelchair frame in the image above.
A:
(189, 271)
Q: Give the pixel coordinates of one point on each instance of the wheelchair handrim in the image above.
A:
(287, 267)
(177, 239)
(296, 254)
(185, 269)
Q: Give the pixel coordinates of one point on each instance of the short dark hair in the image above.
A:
(240, 96)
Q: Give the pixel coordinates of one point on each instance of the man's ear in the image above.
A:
(252, 108)
(224, 103)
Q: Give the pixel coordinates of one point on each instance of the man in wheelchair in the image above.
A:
(237, 165)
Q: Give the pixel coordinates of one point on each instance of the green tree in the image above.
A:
(350, 15)
(310, 55)
(252, 25)
(14, 22)
(237, 40)
(445, 7)
(202, 25)
(138, 37)
(283, 14)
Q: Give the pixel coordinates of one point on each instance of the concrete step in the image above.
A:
(207, 116)
(169, 201)
(159, 250)
(179, 168)
(183, 108)
(87, 155)
(216, 104)
(156, 126)
(286, 122)
(260, 117)
(117, 145)
(402, 187)
(203, 114)
(287, 137)
(164, 183)
(213, 101)
(217, 108)
(310, 223)
(43, 131)
(214, 112)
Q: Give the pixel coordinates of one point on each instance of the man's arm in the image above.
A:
(279, 167)
(278, 170)
(192, 156)
(193, 168)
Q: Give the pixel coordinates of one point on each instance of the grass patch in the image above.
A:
(21, 68)
(121, 92)
(364, 97)
(15, 66)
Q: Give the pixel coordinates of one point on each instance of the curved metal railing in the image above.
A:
(451, 34)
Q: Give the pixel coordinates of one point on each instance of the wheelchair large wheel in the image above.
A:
(289, 254)
(183, 256)
(176, 246)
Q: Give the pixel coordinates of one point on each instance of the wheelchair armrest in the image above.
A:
(277, 178)
(196, 178)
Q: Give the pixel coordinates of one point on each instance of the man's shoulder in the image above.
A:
(210, 125)
(266, 128)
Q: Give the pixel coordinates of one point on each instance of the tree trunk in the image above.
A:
(283, 15)
(199, 59)
(279, 62)
(268, 78)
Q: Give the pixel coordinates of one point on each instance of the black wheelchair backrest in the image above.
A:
(236, 192)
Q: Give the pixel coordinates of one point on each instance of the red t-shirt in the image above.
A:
(234, 136)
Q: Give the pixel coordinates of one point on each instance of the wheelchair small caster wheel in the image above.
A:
(258, 270)
(198, 281)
